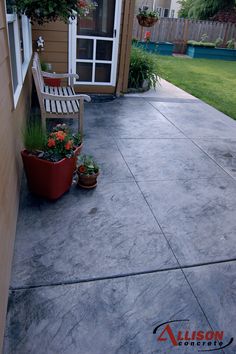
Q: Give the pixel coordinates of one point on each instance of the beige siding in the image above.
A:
(55, 35)
(11, 122)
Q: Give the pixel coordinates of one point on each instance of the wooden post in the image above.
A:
(81, 115)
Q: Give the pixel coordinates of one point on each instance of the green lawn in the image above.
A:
(213, 81)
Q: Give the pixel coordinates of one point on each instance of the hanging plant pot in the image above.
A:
(146, 21)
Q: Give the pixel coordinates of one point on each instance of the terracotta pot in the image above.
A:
(48, 179)
(52, 82)
(146, 21)
(87, 182)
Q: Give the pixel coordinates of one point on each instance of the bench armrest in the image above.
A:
(59, 76)
(51, 96)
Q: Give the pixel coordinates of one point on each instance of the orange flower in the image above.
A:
(60, 135)
(82, 169)
(51, 142)
(68, 145)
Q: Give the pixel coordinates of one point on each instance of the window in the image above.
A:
(172, 13)
(20, 46)
(166, 13)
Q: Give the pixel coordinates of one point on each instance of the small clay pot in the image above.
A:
(87, 182)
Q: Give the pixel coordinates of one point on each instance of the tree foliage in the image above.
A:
(203, 9)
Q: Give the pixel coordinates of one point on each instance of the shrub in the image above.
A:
(219, 42)
(201, 44)
(231, 44)
(143, 67)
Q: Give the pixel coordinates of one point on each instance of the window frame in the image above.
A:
(21, 67)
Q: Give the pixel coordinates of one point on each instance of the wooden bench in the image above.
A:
(58, 102)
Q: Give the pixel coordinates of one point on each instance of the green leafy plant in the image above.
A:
(231, 44)
(134, 40)
(201, 44)
(219, 42)
(87, 166)
(203, 9)
(54, 146)
(143, 67)
(34, 138)
(145, 12)
(43, 11)
(204, 37)
(44, 66)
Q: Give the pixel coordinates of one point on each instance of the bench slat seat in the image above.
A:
(58, 102)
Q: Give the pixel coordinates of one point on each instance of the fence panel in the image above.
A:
(179, 31)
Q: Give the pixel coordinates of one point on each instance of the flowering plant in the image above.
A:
(84, 7)
(43, 11)
(87, 166)
(54, 146)
(147, 36)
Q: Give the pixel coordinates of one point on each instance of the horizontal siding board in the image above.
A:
(51, 36)
(52, 26)
(56, 47)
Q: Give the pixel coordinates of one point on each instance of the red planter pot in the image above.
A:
(52, 82)
(48, 179)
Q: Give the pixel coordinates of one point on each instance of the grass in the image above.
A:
(213, 81)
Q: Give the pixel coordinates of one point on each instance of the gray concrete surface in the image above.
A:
(97, 271)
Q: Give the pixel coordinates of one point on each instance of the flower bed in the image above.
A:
(211, 53)
(162, 48)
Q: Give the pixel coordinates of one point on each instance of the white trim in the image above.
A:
(73, 60)
(116, 42)
(91, 61)
(21, 68)
(88, 83)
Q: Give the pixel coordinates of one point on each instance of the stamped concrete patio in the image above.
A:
(97, 271)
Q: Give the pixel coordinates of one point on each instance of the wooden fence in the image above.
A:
(179, 31)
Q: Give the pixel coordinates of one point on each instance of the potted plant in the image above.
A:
(147, 18)
(77, 139)
(49, 160)
(49, 81)
(43, 11)
(162, 48)
(87, 171)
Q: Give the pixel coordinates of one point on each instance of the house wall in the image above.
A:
(56, 48)
(11, 122)
(175, 6)
(164, 4)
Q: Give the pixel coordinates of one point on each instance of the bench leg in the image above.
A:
(81, 117)
(43, 118)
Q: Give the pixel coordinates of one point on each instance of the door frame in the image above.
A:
(72, 60)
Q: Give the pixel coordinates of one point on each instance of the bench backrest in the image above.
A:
(38, 78)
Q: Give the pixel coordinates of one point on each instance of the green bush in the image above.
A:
(231, 44)
(143, 67)
(201, 44)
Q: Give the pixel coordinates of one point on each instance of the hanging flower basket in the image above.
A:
(147, 21)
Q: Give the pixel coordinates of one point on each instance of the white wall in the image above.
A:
(175, 7)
